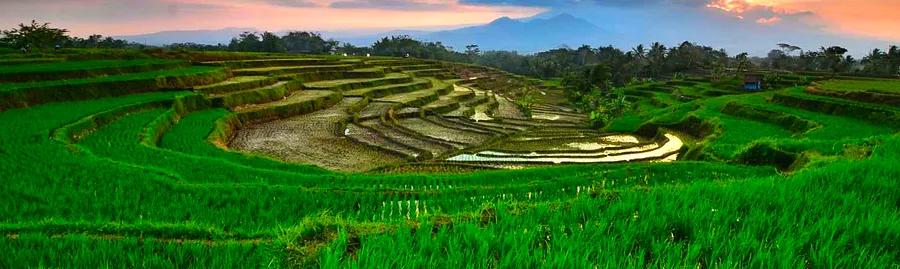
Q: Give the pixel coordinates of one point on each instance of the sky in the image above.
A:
(869, 19)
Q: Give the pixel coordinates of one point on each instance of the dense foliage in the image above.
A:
(882, 63)
(294, 42)
(40, 36)
(404, 46)
(833, 60)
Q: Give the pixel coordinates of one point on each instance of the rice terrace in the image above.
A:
(294, 150)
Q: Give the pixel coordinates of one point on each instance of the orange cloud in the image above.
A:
(733, 6)
(769, 21)
(869, 18)
(107, 17)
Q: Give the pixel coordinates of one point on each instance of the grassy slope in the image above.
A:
(840, 215)
(124, 77)
(78, 66)
(191, 133)
(884, 85)
(737, 132)
(110, 200)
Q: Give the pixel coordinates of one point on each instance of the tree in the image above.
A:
(638, 56)
(34, 36)
(893, 59)
(246, 41)
(777, 59)
(600, 76)
(399, 46)
(271, 43)
(402, 46)
(351, 49)
(686, 57)
(882, 63)
(308, 42)
(788, 48)
(656, 59)
(92, 41)
(195, 46)
(592, 90)
(833, 59)
(742, 62)
(473, 50)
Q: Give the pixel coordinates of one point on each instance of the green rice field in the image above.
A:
(279, 161)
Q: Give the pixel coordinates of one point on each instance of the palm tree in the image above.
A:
(742, 62)
(876, 62)
(833, 59)
(893, 58)
(788, 48)
(639, 52)
(656, 58)
(639, 56)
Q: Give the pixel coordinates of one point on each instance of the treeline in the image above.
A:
(40, 36)
(654, 61)
(293, 42)
(884, 63)
(314, 43)
(639, 62)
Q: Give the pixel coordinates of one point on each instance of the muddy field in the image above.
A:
(312, 138)
(436, 131)
(508, 109)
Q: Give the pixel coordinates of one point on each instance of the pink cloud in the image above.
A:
(769, 21)
(125, 17)
(870, 18)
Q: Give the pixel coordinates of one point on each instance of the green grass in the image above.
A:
(839, 216)
(146, 180)
(553, 82)
(20, 61)
(351, 84)
(187, 71)
(262, 71)
(380, 91)
(880, 85)
(40, 250)
(65, 66)
(236, 84)
(191, 135)
(370, 69)
(296, 104)
(26, 94)
(835, 131)
(737, 132)
(269, 62)
(420, 97)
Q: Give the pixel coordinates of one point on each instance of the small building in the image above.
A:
(753, 82)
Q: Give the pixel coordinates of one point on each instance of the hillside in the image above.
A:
(223, 160)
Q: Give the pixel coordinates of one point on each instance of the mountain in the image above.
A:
(672, 24)
(209, 37)
(534, 35)
(525, 35)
